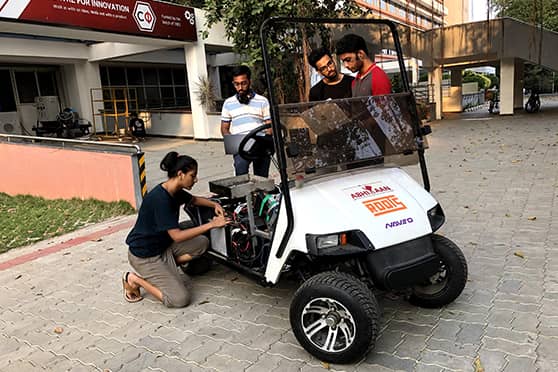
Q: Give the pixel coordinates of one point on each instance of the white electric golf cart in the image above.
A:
(344, 217)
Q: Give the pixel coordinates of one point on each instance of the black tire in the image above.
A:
(355, 326)
(532, 107)
(198, 266)
(448, 283)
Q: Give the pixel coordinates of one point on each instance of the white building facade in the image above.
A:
(73, 53)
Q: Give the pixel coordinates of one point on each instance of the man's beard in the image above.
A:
(333, 77)
(245, 97)
(358, 63)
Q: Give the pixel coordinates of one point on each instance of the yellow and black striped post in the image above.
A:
(142, 173)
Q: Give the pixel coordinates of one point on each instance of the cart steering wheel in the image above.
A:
(258, 147)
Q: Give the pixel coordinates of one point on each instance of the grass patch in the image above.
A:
(26, 219)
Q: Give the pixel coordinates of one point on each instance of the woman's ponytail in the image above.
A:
(172, 163)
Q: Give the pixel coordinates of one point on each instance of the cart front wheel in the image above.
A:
(448, 283)
(334, 316)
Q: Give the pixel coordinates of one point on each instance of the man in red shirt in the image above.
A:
(370, 80)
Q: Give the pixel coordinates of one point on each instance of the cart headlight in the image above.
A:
(436, 217)
(327, 241)
(341, 243)
(333, 240)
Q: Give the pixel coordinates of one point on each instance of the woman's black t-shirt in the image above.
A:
(158, 213)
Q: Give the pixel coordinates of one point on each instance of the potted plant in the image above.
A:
(206, 93)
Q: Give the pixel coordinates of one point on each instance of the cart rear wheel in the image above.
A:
(448, 283)
(334, 316)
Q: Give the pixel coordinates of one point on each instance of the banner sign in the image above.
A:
(143, 18)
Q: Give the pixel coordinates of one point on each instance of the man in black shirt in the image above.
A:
(137, 126)
(334, 84)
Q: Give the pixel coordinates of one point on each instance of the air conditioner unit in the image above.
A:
(48, 107)
(9, 123)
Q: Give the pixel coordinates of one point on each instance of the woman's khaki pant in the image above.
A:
(163, 272)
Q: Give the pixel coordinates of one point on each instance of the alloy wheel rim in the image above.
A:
(436, 282)
(328, 325)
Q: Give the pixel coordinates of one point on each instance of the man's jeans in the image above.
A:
(261, 166)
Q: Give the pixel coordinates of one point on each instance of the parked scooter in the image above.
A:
(493, 104)
(533, 103)
(493, 101)
(67, 125)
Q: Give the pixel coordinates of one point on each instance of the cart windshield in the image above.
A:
(340, 95)
(333, 135)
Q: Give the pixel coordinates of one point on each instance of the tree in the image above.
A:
(494, 80)
(537, 12)
(193, 3)
(471, 76)
(541, 13)
(242, 20)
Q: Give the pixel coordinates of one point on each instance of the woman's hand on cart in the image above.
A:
(219, 211)
(220, 221)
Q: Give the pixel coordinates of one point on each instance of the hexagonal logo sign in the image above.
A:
(144, 16)
(190, 17)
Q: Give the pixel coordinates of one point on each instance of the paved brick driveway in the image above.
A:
(496, 179)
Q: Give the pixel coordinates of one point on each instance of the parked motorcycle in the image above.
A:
(67, 125)
(493, 101)
(533, 103)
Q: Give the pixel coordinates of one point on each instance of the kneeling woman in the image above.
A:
(157, 246)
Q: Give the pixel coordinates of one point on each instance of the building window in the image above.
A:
(155, 87)
(7, 101)
(34, 83)
(47, 83)
(26, 86)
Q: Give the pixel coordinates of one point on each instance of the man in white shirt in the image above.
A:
(243, 112)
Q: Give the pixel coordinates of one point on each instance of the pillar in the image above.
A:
(196, 67)
(413, 64)
(79, 79)
(435, 81)
(519, 84)
(456, 77)
(454, 102)
(507, 85)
